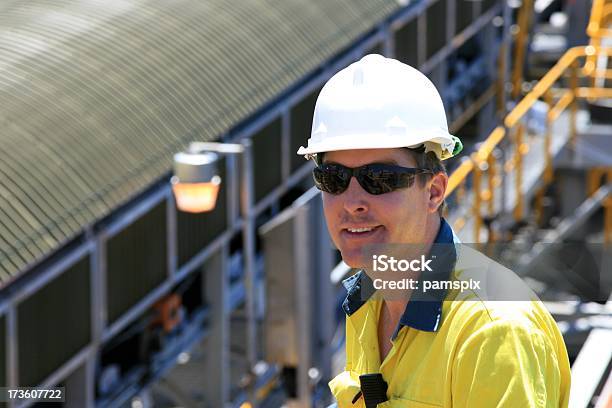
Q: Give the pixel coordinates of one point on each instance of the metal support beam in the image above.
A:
(216, 288)
(324, 325)
(303, 269)
(248, 247)
(285, 144)
(80, 385)
(171, 234)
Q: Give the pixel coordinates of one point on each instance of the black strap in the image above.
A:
(373, 389)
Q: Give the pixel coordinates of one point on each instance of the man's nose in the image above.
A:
(355, 198)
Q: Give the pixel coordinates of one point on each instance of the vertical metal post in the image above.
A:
(574, 105)
(501, 81)
(98, 315)
(171, 233)
(491, 183)
(520, 47)
(593, 180)
(325, 263)
(477, 200)
(80, 385)
(248, 242)
(518, 172)
(503, 99)
(233, 190)
(548, 167)
(285, 144)
(594, 31)
(388, 35)
(503, 197)
(461, 192)
(539, 205)
(302, 249)
(99, 289)
(590, 66)
(215, 282)
(504, 70)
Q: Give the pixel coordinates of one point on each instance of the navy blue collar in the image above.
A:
(423, 312)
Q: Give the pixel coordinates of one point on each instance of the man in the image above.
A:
(378, 137)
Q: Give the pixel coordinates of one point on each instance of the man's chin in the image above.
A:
(353, 260)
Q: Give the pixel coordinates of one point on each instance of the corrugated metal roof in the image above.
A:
(96, 95)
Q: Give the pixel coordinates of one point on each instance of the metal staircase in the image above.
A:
(543, 179)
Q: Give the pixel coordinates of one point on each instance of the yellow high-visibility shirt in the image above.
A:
(470, 352)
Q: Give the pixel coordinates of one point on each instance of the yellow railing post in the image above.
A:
(539, 205)
(477, 201)
(593, 180)
(574, 105)
(513, 124)
(548, 171)
(491, 184)
(548, 167)
(518, 171)
(593, 29)
(523, 22)
(461, 191)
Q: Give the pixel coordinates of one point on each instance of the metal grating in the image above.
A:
(436, 27)
(137, 261)
(464, 14)
(53, 324)
(301, 123)
(96, 96)
(406, 47)
(267, 159)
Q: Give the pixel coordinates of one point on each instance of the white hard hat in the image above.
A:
(379, 102)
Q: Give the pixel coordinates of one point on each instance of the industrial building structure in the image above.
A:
(108, 290)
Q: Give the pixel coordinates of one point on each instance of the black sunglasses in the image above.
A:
(375, 178)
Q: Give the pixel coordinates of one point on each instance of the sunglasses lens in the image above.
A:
(376, 181)
(380, 179)
(331, 178)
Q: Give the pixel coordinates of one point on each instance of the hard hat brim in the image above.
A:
(442, 143)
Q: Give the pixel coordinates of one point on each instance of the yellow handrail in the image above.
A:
(600, 13)
(498, 134)
(566, 98)
(483, 160)
(549, 80)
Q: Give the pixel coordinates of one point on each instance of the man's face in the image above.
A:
(398, 217)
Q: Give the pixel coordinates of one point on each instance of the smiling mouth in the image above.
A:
(362, 231)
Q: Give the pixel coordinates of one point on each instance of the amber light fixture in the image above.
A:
(196, 197)
(196, 182)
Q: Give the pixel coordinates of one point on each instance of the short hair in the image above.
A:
(428, 161)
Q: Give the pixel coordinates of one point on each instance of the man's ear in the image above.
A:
(437, 189)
